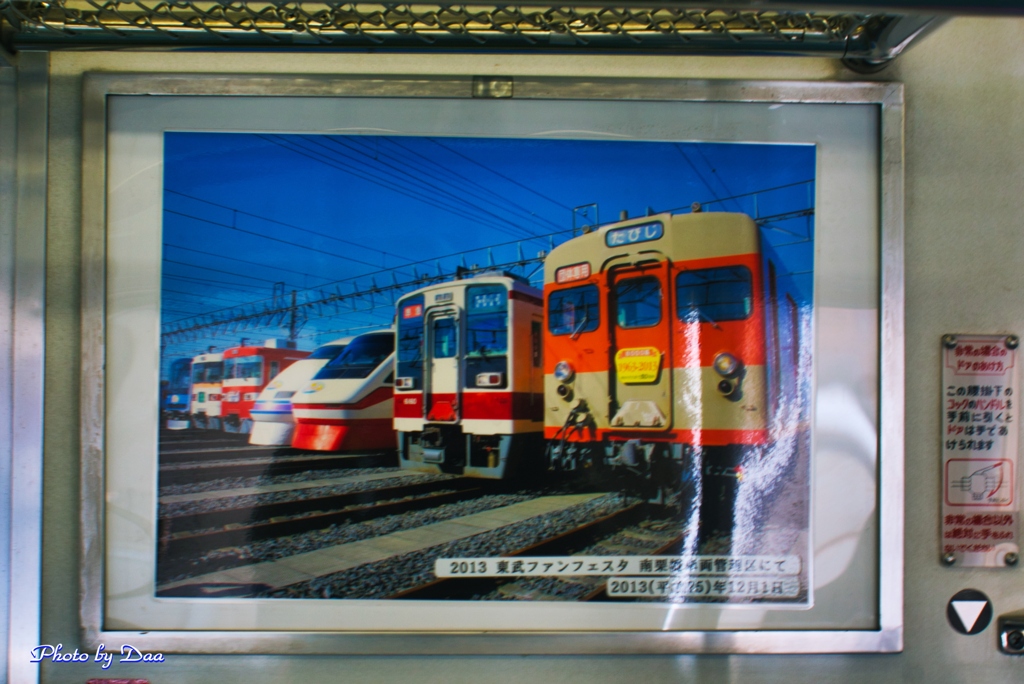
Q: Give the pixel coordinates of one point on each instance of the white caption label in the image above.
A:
(685, 587)
(568, 566)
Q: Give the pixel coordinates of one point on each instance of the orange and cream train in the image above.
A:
(672, 340)
(468, 377)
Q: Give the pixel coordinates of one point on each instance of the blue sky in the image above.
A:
(245, 211)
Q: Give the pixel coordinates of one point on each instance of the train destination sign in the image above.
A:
(573, 272)
(620, 237)
(980, 508)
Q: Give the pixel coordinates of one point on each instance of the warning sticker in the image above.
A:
(637, 365)
(979, 449)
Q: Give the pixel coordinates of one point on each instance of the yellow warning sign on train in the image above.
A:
(637, 365)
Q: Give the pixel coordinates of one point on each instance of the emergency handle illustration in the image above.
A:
(979, 482)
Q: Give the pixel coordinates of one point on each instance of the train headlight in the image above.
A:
(489, 379)
(726, 364)
(564, 371)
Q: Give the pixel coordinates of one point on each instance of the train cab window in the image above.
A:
(486, 336)
(328, 351)
(244, 368)
(410, 339)
(446, 340)
(207, 372)
(638, 302)
(573, 310)
(360, 358)
(486, 320)
(710, 295)
(275, 368)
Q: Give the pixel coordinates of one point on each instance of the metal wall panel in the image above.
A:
(963, 248)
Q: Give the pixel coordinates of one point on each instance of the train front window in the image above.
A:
(180, 372)
(210, 371)
(638, 302)
(445, 338)
(486, 336)
(328, 351)
(360, 358)
(410, 339)
(573, 310)
(711, 295)
(486, 320)
(244, 368)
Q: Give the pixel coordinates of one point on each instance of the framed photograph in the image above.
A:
(457, 365)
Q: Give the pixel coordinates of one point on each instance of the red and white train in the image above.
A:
(247, 370)
(347, 406)
(469, 381)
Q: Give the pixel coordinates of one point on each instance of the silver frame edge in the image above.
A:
(27, 372)
(887, 639)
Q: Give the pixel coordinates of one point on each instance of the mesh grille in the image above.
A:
(407, 25)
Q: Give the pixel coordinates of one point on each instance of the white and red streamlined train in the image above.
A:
(247, 371)
(469, 381)
(273, 422)
(347, 406)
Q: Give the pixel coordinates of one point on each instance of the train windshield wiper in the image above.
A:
(579, 328)
(700, 313)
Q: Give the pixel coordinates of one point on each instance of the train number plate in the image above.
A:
(637, 365)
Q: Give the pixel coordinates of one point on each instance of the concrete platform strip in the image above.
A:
(284, 487)
(265, 460)
(303, 567)
(217, 449)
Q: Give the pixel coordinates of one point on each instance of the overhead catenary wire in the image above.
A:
(251, 263)
(221, 283)
(426, 199)
(288, 225)
(405, 175)
(494, 197)
(270, 237)
(501, 175)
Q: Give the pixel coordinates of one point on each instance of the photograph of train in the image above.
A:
(482, 369)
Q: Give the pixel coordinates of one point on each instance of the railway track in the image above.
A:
(563, 544)
(201, 471)
(183, 538)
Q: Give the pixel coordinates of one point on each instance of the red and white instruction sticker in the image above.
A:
(980, 507)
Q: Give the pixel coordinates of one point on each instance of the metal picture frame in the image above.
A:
(884, 104)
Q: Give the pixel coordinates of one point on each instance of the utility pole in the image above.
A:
(293, 332)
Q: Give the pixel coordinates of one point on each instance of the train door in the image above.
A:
(641, 349)
(536, 368)
(441, 387)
